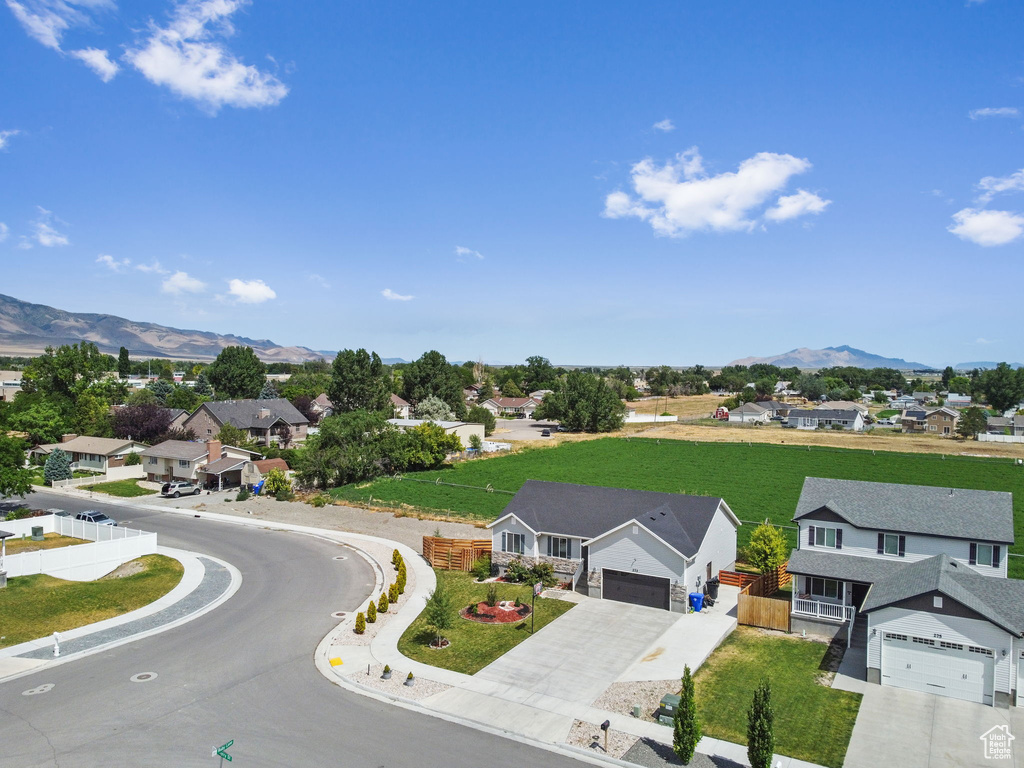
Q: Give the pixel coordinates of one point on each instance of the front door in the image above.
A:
(860, 591)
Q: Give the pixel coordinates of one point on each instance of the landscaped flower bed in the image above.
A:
(505, 612)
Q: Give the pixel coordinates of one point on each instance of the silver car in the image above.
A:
(178, 487)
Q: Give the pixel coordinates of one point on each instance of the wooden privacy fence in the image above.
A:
(454, 554)
(755, 607)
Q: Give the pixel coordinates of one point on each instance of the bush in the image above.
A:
(243, 494)
(360, 623)
(838, 427)
(285, 494)
(132, 460)
(371, 612)
(472, 609)
(402, 576)
(382, 605)
(482, 568)
(409, 676)
(517, 572)
(492, 594)
(318, 501)
(275, 482)
(387, 669)
(396, 559)
(393, 593)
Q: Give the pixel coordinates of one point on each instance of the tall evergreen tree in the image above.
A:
(57, 466)
(202, 386)
(269, 391)
(124, 364)
(686, 731)
(761, 727)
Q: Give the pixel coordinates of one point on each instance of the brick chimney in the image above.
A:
(214, 447)
(68, 437)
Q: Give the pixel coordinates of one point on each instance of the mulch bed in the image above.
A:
(485, 614)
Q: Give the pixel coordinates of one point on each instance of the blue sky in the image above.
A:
(595, 182)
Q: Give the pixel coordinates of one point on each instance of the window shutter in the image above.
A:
(568, 548)
(549, 546)
(839, 538)
(504, 541)
(903, 546)
(810, 536)
(881, 543)
(974, 554)
(995, 556)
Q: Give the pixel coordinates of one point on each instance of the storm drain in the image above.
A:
(143, 677)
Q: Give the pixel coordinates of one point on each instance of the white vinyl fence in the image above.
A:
(986, 438)
(649, 418)
(111, 546)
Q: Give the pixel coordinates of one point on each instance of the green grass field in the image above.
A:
(474, 646)
(813, 722)
(758, 481)
(125, 488)
(36, 606)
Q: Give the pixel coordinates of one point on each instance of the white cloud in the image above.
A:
(44, 231)
(154, 268)
(977, 114)
(4, 231)
(679, 197)
(982, 340)
(463, 253)
(390, 295)
(181, 282)
(5, 135)
(24, 243)
(98, 61)
(187, 57)
(993, 185)
(48, 20)
(319, 280)
(665, 125)
(987, 228)
(250, 291)
(791, 206)
(113, 264)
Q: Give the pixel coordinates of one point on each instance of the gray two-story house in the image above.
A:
(633, 546)
(918, 575)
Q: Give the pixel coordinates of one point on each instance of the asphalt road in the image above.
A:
(243, 671)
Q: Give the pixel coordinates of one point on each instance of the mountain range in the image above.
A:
(27, 329)
(832, 356)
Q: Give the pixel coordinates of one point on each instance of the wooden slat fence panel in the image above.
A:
(766, 612)
(737, 579)
(454, 554)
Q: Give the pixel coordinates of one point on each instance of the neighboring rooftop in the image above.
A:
(824, 413)
(933, 511)
(247, 414)
(177, 449)
(589, 511)
(104, 446)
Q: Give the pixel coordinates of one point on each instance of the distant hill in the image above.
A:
(27, 329)
(983, 365)
(832, 356)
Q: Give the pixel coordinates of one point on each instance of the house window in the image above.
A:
(893, 636)
(932, 428)
(936, 602)
(559, 547)
(984, 556)
(512, 542)
(183, 463)
(152, 459)
(951, 646)
(982, 651)
(923, 640)
(825, 588)
(824, 537)
(209, 431)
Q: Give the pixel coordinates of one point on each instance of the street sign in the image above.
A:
(538, 588)
(222, 752)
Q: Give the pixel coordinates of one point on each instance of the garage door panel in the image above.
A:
(636, 588)
(955, 673)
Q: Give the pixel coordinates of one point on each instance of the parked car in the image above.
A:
(545, 433)
(562, 429)
(94, 516)
(178, 487)
(776, 418)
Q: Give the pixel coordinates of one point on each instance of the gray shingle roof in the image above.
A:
(867, 570)
(956, 513)
(756, 408)
(177, 449)
(588, 511)
(246, 414)
(1001, 601)
(824, 413)
(223, 465)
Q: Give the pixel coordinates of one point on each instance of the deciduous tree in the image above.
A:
(768, 548)
(124, 363)
(237, 373)
(582, 402)
(145, 423)
(359, 382)
(440, 610)
(432, 375)
(433, 408)
(15, 480)
(480, 415)
(972, 422)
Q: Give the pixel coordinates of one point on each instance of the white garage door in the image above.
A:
(934, 666)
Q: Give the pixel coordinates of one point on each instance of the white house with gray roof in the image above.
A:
(918, 575)
(750, 413)
(633, 546)
(825, 418)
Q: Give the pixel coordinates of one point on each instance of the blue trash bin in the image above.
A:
(696, 601)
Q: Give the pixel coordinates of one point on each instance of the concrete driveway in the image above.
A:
(582, 652)
(915, 730)
(512, 430)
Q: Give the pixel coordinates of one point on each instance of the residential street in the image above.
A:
(244, 672)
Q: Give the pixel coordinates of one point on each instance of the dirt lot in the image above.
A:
(683, 407)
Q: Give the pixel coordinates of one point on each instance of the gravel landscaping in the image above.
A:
(622, 697)
(591, 738)
(421, 689)
(383, 556)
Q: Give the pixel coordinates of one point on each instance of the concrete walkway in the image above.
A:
(205, 584)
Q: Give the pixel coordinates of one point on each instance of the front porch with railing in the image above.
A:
(819, 609)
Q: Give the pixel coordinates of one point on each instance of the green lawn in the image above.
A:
(126, 488)
(32, 607)
(886, 414)
(758, 481)
(812, 722)
(474, 646)
(50, 541)
(39, 479)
